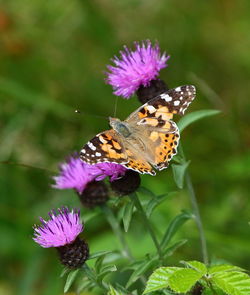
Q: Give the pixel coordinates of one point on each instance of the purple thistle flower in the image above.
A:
(61, 229)
(135, 68)
(114, 171)
(75, 174)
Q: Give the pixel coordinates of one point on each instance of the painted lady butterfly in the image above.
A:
(147, 137)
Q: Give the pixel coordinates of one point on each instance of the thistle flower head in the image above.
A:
(74, 174)
(112, 170)
(61, 229)
(135, 68)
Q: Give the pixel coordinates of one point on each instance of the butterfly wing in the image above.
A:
(154, 126)
(165, 105)
(106, 146)
(138, 163)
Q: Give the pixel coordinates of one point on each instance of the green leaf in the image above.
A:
(146, 191)
(184, 279)
(70, 279)
(196, 265)
(107, 270)
(112, 291)
(159, 279)
(153, 203)
(64, 272)
(179, 173)
(90, 215)
(98, 263)
(195, 116)
(232, 282)
(85, 284)
(98, 254)
(174, 225)
(89, 272)
(127, 214)
(223, 268)
(121, 289)
(170, 250)
(139, 271)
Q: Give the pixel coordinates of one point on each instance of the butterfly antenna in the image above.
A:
(92, 115)
(116, 101)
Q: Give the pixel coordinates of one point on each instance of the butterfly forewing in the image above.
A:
(165, 105)
(104, 147)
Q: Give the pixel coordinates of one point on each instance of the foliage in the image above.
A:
(230, 279)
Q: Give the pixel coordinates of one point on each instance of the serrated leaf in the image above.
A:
(112, 291)
(174, 225)
(196, 265)
(232, 282)
(159, 279)
(127, 214)
(98, 254)
(139, 271)
(179, 173)
(195, 116)
(70, 279)
(153, 203)
(223, 268)
(183, 280)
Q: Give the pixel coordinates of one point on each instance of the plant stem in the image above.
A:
(147, 223)
(197, 218)
(117, 230)
(119, 233)
(196, 211)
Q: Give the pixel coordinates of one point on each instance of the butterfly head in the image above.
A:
(119, 126)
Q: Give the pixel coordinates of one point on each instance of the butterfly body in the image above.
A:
(147, 138)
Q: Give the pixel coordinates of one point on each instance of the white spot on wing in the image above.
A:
(176, 103)
(102, 140)
(178, 89)
(166, 97)
(98, 154)
(91, 146)
(151, 109)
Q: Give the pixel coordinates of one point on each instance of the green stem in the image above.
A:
(197, 218)
(117, 230)
(148, 225)
(196, 211)
(119, 233)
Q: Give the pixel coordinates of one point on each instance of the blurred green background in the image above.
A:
(53, 56)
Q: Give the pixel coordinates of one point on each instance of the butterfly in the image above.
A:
(147, 138)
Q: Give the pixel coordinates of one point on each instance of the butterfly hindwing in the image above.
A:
(165, 149)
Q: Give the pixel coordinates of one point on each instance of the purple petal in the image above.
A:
(74, 174)
(61, 229)
(135, 68)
